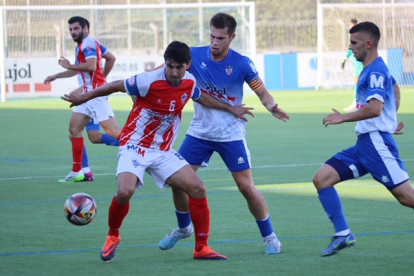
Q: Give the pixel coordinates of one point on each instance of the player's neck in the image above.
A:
(370, 58)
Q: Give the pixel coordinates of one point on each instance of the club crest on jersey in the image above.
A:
(184, 98)
(203, 65)
(229, 69)
(131, 81)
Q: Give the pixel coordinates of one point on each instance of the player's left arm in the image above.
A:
(269, 102)
(109, 63)
(371, 110)
(88, 66)
(239, 110)
(397, 94)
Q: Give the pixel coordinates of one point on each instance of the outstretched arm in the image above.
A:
(238, 110)
(371, 110)
(88, 66)
(64, 74)
(105, 90)
(269, 102)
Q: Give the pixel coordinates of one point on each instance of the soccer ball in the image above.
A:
(80, 209)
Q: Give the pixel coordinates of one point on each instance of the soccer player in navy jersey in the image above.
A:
(375, 152)
(221, 72)
(89, 70)
(147, 139)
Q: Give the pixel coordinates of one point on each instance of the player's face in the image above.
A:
(175, 71)
(220, 42)
(76, 31)
(358, 44)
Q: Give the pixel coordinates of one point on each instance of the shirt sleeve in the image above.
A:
(89, 49)
(131, 86)
(103, 49)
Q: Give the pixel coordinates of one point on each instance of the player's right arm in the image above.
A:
(64, 74)
(104, 90)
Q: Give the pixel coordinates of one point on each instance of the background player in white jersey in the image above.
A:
(375, 151)
(221, 72)
(147, 139)
(88, 67)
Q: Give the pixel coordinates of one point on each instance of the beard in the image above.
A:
(79, 38)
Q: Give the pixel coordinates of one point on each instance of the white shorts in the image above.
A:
(159, 164)
(97, 109)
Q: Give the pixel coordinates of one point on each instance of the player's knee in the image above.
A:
(198, 190)
(318, 181)
(247, 190)
(124, 194)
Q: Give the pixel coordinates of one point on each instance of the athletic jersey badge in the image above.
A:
(229, 69)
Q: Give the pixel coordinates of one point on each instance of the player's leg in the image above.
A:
(111, 127)
(236, 156)
(404, 193)
(193, 151)
(128, 179)
(77, 123)
(97, 137)
(339, 168)
(187, 180)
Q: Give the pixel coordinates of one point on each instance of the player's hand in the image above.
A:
(76, 92)
(75, 99)
(64, 62)
(333, 118)
(49, 79)
(240, 110)
(279, 113)
(400, 126)
(343, 64)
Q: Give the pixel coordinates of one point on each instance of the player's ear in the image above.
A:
(188, 65)
(232, 36)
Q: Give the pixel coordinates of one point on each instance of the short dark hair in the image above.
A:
(178, 51)
(353, 21)
(369, 28)
(222, 20)
(87, 23)
(78, 19)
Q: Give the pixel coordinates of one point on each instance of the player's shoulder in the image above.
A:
(89, 42)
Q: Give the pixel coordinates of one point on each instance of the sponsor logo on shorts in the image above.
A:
(240, 160)
(385, 179)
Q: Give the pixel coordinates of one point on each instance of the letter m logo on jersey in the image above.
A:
(376, 81)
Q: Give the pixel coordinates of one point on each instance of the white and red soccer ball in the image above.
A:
(80, 209)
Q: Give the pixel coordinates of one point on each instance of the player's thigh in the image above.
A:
(235, 154)
(187, 180)
(127, 183)
(111, 127)
(196, 151)
(77, 123)
(130, 161)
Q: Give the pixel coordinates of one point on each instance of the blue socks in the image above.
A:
(85, 159)
(108, 140)
(184, 219)
(333, 207)
(265, 227)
